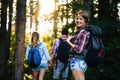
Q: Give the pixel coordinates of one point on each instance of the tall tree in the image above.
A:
(36, 12)
(55, 20)
(20, 39)
(3, 37)
(89, 5)
(31, 14)
(115, 10)
(10, 5)
(66, 13)
(103, 12)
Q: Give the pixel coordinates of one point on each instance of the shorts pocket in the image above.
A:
(82, 65)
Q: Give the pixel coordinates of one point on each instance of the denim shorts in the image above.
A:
(78, 64)
(41, 66)
(58, 70)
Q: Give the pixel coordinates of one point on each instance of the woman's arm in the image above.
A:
(80, 42)
(47, 55)
(27, 51)
(68, 41)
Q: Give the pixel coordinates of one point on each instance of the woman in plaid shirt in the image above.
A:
(77, 64)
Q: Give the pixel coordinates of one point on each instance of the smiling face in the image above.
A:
(81, 19)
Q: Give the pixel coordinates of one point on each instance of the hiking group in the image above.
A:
(69, 53)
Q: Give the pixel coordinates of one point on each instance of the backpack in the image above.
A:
(63, 52)
(95, 50)
(34, 56)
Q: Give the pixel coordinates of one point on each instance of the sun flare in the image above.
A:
(46, 7)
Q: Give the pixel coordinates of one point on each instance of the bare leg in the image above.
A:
(41, 74)
(35, 75)
(72, 78)
(78, 75)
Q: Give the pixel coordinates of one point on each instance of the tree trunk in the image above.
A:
(103, 11)
(3, 39)
(20, 39)
(88, 5)
(67, 14)
(37, 14)
(10, 5)
(115, 11)
(31, 14)
(55, 22)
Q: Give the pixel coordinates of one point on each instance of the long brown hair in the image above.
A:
(34, 35)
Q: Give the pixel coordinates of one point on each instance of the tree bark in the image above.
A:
(88, 5)
(20, 39)
(55, 21)
(103, 12)
(10, 20)
(3, 38)
(31, 14)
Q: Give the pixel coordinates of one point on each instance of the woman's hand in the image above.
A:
(69, 38)
(50, 64)
(68, 41)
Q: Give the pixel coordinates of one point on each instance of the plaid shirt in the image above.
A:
(81, 40)
(56, 44)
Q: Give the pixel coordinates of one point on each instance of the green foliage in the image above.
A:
(10, 65)
(109, 69)
(48, 41)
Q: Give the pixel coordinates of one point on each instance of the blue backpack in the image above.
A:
(34, 56)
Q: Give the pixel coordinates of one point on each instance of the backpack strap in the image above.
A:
(39, 44)
(56, 59)
(61, 40)
(30, 45)
(88, 44)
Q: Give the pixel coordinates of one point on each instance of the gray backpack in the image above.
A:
(95, 50)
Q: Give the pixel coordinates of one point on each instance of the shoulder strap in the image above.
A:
(88, 28)
(39, 44)
(61, 40)
(30, 45)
